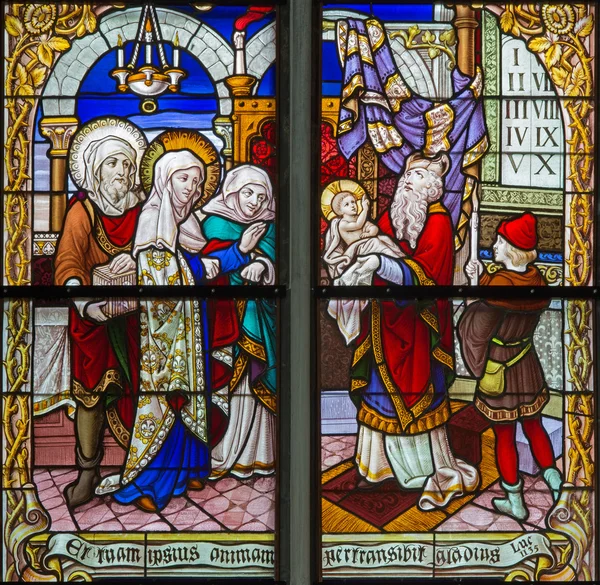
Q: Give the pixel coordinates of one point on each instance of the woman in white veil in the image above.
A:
(168, 450)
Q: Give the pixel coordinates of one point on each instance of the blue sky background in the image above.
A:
(195, 106)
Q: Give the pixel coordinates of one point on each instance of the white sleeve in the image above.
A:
(80, 304)
(389, 269)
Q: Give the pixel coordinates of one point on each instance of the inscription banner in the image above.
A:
(466, 554)
(162, 556)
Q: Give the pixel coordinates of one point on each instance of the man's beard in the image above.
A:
(116, 191)
(409, 213)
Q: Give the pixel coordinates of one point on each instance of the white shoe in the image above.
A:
(514, 504)
(554, 481)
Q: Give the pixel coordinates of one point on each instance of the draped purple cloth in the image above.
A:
(375, 97)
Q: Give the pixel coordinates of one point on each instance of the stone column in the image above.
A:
(465, 24)
(224, 129)
(59, 132)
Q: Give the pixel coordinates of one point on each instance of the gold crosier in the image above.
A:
(37, 34)
(560, 34)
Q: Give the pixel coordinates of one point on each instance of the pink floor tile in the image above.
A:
(232, 518)
(118, 508)
(505, 524)
(109, 525)
(94, 516)
(226, 484)
(65, 478)
(255, 526)
(259, 506)
(93, 503)
(265, 484)
(191, 516)
(136, 519)
(205, 494)
(217, 505)
(242, 494)
(157, 526)
(64, 525)
(41, 475)
(45, 484)
(53, 503)
(175, 505)
(485, 499)
(478, 518)
(268, 519)
(207, 526)
(331, 460)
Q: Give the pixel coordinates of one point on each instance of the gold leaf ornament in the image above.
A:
(553, 55)
(413, 31)
(448, 37)
(91, 21)
(13, 25)
(428, 37)
(577, 81)
(559, 76)
(47, 48)
(539, 44)
(21, 74)
(58, 43)
(584, 26)
(507, 20)
(45, 54)
(38, 75)
(23, 84)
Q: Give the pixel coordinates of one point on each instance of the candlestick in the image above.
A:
(148, 54)
(176, 51)
(120, 54)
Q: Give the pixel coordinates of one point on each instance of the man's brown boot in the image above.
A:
(82, 490)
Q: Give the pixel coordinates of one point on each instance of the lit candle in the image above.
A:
(176, 51)
(148, 41)
(120, 54)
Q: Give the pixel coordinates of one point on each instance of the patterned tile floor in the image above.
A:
(475, 513)
(226, 504)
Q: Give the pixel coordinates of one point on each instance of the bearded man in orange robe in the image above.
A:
(98, 230)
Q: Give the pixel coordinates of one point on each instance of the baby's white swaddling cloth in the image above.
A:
(347, 312)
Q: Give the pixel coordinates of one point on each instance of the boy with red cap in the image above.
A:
(496, 338)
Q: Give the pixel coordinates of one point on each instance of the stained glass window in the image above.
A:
(181, 296)
(456, 156)
(140, 316)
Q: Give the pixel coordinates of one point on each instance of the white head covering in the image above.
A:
(164, 214)
(226, 203)
(93, 157)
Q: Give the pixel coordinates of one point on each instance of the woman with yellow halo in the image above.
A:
(168, 450)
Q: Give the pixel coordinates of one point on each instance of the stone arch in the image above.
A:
(411, 64)
(260, 51)
(205, 43)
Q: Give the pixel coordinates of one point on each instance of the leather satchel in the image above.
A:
(493, 381)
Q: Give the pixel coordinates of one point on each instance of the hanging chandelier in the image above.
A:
(147, 79)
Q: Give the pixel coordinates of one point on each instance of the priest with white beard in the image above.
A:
(404, 356)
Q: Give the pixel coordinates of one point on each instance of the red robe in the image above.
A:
(89, 239)
(406, 340)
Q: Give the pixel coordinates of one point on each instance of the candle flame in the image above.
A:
(148, 26)
(119, 41)
(176, 40)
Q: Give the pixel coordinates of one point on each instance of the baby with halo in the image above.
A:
(350, 234)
